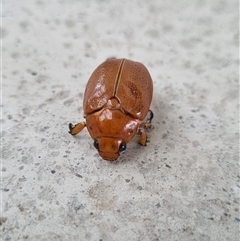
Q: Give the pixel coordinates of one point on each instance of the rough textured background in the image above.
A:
(184, 185)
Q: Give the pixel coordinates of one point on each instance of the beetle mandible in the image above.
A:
(116, 101)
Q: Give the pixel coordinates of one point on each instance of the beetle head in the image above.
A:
(109, 148)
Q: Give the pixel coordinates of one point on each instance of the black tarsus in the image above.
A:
(71, 126)
(151, 116)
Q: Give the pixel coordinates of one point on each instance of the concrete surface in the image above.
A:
(184, 185)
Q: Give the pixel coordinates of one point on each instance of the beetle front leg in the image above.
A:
(142, 138)
(74, 130)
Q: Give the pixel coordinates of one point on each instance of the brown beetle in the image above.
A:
(117, 98)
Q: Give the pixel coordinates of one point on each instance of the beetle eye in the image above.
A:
(95, 143)
(122, 146)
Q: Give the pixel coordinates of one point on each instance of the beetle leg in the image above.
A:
(143, 138)
(151, 116)
(73, 130)
(148, 123)
(145, 125)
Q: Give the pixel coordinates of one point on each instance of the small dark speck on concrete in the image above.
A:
(164, 135)
(180, 117)
(168, 166)
(5, 189)
(53, 171)
(79, 207)
(194, 111)
(237, 219)
(127, 180)
(34, 73)
(139, 188)
(91, 213)
(78, 175)
(158, 205)
(21, 208)
(3, 220)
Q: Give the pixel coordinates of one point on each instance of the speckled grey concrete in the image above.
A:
(184, 185)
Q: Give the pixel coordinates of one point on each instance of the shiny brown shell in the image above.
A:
(128, 81)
